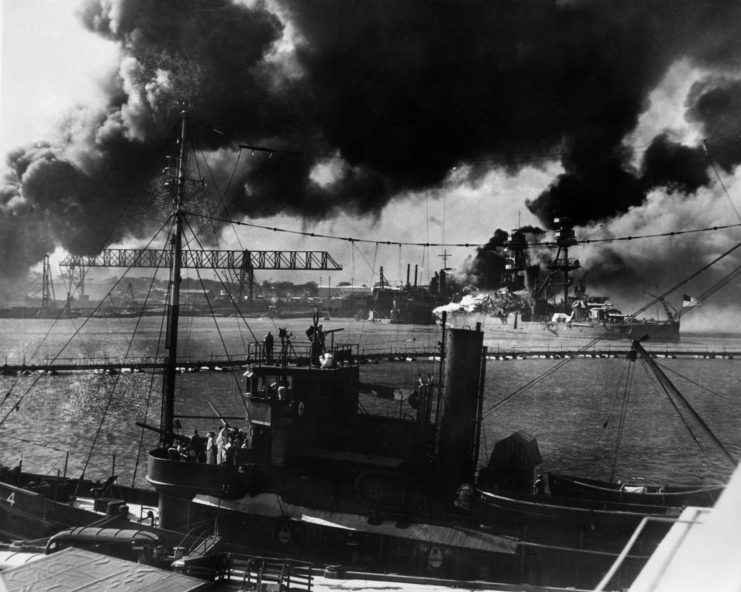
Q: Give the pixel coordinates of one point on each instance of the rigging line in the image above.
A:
(559, 364)
(399, 265)
(72, 453)
(99, 305)
(362, 255)
(623, 415)
(10, 390)
(71, 338)
(692, 382)
(333, 237)
(607, 402)
(607, 332)
(425, 265)
(223, 342)
(711, 290)
(549, 244)
(213, 316)
(211, 219)
(684, 281)
(642, 236)
(667, 385)
(195, 149)
(527, 385)
(543, 157)
(352, 277)
(223, 284)
(683, 419)
(706, 150)
(16, 406)
(150, 390)
(113, 388)
(720, 284)
(565, 361)
(97, 432)
(220, 194)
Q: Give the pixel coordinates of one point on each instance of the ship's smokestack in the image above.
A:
(415, 275)
(409, 266)
(461, 405)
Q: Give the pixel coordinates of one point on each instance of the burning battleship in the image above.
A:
(523, 303)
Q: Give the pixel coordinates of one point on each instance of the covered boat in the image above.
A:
(635, 493)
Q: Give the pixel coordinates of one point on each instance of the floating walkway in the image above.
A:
(224, 364)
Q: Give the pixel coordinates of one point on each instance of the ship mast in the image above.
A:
(173, 307)
(566, 238)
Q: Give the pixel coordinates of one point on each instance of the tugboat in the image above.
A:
(310, 475)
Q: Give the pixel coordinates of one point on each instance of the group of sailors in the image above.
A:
(213, 449)
(316, 335)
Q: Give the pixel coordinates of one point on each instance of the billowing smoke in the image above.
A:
(399, 92)
(487, 270)
(488, 265)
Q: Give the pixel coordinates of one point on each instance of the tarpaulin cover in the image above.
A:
(451, 536)
(271, 505)
(84, 571)
(517, 451)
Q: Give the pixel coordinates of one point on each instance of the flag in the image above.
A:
(688, 301)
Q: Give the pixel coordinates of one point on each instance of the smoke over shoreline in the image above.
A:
(400, 93)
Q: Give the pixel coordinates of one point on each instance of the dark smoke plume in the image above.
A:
(399, 92)
(488, 265)
(487, 269)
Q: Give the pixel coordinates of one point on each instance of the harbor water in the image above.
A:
(586, 420)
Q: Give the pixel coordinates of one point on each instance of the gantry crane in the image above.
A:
(245, 262)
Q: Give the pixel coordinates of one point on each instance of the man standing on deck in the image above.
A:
(269, 348)
(221, 441)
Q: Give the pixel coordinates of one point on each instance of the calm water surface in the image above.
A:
(575, 412)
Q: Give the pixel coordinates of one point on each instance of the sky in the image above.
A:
(390, 122)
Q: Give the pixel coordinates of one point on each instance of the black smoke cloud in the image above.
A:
(402, 92)
(486, 269)
(488, 265)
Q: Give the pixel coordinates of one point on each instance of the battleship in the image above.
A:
(522, 305)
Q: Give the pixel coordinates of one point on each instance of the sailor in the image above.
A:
(463, 497)
(221, 442)
(230, 450)
(211, 449)
(269, 348)
(198, 446)
(539, 485)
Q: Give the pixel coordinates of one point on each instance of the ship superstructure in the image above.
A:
(527, 301)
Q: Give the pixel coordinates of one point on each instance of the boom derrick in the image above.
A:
(677, 399)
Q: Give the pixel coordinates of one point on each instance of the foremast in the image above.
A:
(566, 238)
(167, 423)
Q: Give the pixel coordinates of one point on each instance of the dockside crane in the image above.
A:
(244, 262)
